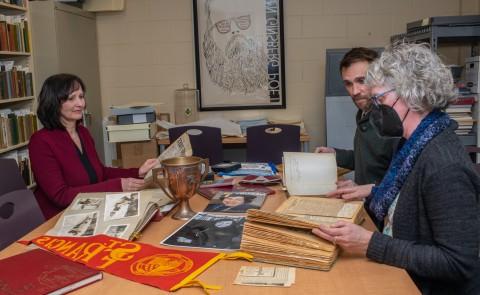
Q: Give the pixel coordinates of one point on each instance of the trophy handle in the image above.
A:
(206, 168)
(162, 182)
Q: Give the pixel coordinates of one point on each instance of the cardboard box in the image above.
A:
(134, 154)
(131, 132)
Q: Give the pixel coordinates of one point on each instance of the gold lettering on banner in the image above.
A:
(66, 247)
(76, 252)
(42, 240)
(52, 245)
(120, 254)
(91, 251)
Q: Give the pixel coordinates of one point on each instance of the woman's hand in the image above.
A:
(351, 237)
(352, 193)
(132, 184)
(147, 166)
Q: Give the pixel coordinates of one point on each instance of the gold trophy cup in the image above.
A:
(180, 181)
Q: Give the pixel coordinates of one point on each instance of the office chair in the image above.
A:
(266, 143)
(206, 141)
(19, 211)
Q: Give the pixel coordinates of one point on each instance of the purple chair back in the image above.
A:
(206, 141)
(10, 177)
(19, 210)
(266, 143)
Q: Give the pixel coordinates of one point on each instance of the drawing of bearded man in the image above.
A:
(241, 66)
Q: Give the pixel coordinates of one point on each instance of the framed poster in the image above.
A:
(239, 54)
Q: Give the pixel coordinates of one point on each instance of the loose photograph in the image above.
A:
(87, 204)
(79, 225)
(235, 202)
(116, 231)
(123, 205)
(220, 232)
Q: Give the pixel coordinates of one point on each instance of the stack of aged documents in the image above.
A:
(121, 215)
(265, 276)
(284, 236)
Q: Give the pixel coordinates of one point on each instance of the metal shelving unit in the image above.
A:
(443, 29)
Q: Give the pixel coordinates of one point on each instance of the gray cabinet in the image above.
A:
(65, 41)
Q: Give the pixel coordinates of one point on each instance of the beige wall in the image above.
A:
(146, 51)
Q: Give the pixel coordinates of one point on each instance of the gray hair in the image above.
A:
(418, 75)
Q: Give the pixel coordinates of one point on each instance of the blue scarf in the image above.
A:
(402, 163)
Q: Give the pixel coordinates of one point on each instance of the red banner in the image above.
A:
(166, 269)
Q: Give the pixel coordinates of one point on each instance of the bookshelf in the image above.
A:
(17, 99)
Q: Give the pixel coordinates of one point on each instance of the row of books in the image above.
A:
(15, 81)
(461, 111)
(23, 160)
(15, 2)
(16, 126)
(14, 35)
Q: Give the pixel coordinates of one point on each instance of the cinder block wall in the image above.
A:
(146, 51)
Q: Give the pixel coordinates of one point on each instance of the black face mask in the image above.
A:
(386, 120)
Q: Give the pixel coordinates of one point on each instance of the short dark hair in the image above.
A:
(56, 90)
(358, 54)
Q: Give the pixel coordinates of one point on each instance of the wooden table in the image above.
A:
(351, 274)
(304, 140)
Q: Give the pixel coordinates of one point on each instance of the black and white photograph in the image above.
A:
(123, 205)
(116, 231)
(87, 204)
(221, 232)
(79, 225)
(239, 54)
(235, 202)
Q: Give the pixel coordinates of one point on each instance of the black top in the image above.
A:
(86, 164)
(436, 222)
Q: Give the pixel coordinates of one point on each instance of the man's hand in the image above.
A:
(352, 193)
(345, 183)
(324, 149)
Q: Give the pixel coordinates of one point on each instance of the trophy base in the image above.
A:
(183, 211)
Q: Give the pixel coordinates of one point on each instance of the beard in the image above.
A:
(240, 68)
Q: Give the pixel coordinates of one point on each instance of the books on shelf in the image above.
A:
(16, 126)
(15, 80)
(14, 34)
(121, 215)
(462, 111)
(40, 272)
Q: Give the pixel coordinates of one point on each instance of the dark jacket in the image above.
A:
(60, 174)
(436, 222)
(371, 153)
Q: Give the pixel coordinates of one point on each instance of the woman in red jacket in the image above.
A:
(62, 154)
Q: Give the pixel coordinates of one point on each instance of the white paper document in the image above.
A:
(309, 173)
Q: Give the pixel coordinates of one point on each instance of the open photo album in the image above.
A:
(120, 215)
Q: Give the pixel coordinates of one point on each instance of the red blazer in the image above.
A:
(59, 173)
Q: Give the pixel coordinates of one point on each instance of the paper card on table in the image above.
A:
(266, 276)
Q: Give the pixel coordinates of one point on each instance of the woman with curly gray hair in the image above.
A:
(428, 201)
